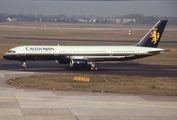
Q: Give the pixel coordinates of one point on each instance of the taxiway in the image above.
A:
(121, 68)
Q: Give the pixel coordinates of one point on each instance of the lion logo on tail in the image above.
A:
(155, 36)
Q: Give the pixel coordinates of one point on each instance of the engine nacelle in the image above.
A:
(78, 63)
(63, 60)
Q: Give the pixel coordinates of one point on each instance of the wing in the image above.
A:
(100, 58)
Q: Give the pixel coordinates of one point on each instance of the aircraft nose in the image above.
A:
(6, 57)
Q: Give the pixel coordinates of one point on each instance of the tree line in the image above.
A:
(138, 18)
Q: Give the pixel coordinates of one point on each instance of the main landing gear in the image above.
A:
(93, 66)
(24, 65)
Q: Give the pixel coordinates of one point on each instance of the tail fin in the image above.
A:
(152, 38)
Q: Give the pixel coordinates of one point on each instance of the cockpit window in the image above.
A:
(11, 51)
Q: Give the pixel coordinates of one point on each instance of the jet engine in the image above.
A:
(63, 60)
(78, 63)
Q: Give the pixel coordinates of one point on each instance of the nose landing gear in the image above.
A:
(24, 66)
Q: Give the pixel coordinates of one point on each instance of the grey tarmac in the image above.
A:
(32, 104)
(116, 68)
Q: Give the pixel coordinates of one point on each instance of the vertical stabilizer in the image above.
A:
(152, 38)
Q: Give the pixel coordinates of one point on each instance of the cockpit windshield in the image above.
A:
(11, 51)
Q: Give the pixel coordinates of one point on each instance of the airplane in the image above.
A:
(86, 56)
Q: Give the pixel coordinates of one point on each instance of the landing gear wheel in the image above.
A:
(24, 65)
(24, 68)
(94, 68)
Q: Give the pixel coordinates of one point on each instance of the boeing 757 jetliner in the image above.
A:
(86, 56)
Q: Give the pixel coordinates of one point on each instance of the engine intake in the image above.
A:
(78, 63)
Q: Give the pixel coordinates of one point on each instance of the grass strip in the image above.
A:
(101, 83)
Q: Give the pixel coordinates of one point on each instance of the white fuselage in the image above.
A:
(84, 52)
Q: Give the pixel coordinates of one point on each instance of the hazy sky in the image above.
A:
(97, 8)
